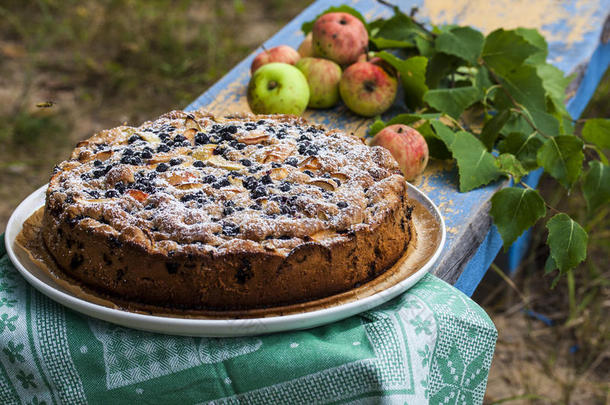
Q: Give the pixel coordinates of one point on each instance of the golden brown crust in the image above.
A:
(175, 238)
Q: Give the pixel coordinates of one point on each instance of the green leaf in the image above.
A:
(476, 166)
(510, 165)
(482, 80)
(597, 131)
(408, 119)
(546, 123)
(549, 265)
(516, 123)
(413, 76)
(400, 27)
(399, 30)
(492, 128)
(375, 24)
(562, 158)
(439, 66)
(425, 46)
(566, 125)
(440, 29)
(524, 147)
(525, 87)
(452, 101)
(601, 155)
(376, 126)
(531, 102)
(464, 42)
(567, 241)
(555, 84)
(532, 36)
(515, 210)
(436, 147)
(384, 43)
(306, 27)
(596, 185)
(505, 51)
(401, 118)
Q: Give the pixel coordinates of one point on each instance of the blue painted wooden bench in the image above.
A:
(577, 32)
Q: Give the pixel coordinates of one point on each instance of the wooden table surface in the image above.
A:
(577, 43)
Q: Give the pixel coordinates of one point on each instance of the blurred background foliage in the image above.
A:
(69, 68)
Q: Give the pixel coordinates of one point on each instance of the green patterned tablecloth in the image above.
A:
(430, 345)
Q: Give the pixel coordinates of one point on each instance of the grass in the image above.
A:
(567, 362)
(154, 53)
(102, 63)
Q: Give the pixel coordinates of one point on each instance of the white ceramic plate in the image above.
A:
(204, 327)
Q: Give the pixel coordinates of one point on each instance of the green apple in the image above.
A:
(323, 77)
(278, 88)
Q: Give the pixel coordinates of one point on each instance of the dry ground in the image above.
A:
(105, 63)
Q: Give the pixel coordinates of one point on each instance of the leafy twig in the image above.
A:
(548, 206)
(561, 157)
(520, 110)
(518, 107)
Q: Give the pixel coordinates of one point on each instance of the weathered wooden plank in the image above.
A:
(572, 27)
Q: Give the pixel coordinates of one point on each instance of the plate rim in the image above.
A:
(217, 327)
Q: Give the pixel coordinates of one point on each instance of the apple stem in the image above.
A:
(264, 49)
(271, 85)
(369, 86)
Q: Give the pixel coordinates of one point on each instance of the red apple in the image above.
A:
(407, 146)
(306, 47)
(281, 54)
(368, 88)
(340, 37)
